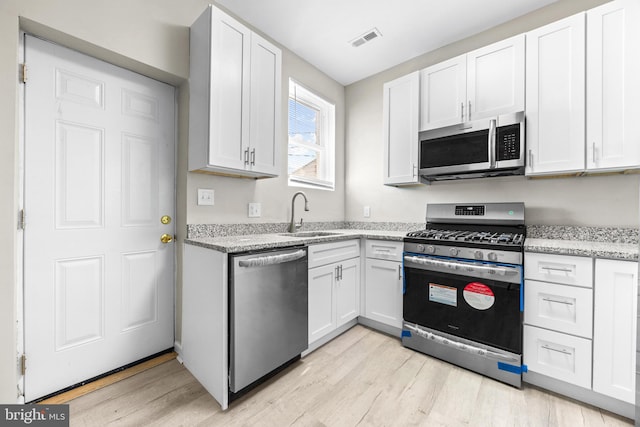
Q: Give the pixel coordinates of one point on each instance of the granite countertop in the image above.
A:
(612, 243)
(251, 242)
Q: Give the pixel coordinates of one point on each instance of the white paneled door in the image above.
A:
(99, 178)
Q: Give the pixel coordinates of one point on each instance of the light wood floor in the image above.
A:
(362, 378)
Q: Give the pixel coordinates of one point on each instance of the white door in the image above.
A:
(555, 97)
(495, 79)
(401, 107)
(99, 175)
(443, 93)
(613, 84)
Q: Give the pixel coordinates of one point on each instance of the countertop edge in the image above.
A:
(608, 250)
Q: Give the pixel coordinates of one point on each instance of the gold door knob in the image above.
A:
(166, 238)
(166, 219)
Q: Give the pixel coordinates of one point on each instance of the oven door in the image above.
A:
(474, 300)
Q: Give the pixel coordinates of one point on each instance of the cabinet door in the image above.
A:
(400, 124)
(443, 93)
(264, 135)
(383, 291)
(614, 332)
(495, 79)
(555, 97)
(230, 86)
(348, 291)
(613, 85)
(322, 319)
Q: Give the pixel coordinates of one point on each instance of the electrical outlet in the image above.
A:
(205, 197)
(367, 211)
(255, 210)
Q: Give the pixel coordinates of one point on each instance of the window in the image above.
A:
(311, 160)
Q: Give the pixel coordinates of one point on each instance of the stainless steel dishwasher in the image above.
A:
(268, 313)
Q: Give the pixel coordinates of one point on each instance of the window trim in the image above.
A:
(325, 131)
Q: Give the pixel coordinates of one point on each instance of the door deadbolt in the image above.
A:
(166, 219)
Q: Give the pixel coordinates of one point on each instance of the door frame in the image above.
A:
(21, 167)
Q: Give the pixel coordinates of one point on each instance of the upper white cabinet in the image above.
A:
(613, 85)
(614, 329)
(583, 73)
(555, 97)
(235, 98)
(400, 122)
(483, 83)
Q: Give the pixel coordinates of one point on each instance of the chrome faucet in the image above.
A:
(293, 227)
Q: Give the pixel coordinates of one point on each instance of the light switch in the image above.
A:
(255, 210)
(205, 197)
(367, 211)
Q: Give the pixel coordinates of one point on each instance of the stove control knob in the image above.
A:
(431, 249)
(453, 251)
(492, 256)
(477, 254)
(420, 248)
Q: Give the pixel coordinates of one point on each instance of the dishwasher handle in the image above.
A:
(272, 259)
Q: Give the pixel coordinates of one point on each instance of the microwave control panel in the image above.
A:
(508, 142)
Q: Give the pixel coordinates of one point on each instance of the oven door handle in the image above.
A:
(460, 345)
(458, 265)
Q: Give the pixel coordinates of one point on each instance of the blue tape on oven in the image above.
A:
(521, 292)
(405, 333)
(514, 369)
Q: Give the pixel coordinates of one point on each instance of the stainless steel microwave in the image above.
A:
(481, 148)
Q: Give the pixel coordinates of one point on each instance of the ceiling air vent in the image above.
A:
(366, 37)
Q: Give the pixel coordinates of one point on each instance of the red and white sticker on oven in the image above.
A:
(478, 296)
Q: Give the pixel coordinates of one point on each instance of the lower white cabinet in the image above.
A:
(383, 282)
(580, 325)
(383, 291)
(334, 286)
(614, 333)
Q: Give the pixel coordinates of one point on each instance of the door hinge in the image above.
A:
(21, 223)
(23, 72)
(23, 364)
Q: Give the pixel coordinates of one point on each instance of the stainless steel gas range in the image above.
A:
(463, 290)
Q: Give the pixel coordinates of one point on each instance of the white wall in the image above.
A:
(152, 38)
(589, 201)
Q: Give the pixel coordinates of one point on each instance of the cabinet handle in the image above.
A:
(399, 272)
(556, 301)
(469, 111)
(253, 157)
(593, 153)
(246, 156)
(340, 270)
(462, 111)
(415, 170)
(562, 270)
(530, 158)
(546, 347)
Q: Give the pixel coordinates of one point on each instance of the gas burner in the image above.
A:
(488, 237)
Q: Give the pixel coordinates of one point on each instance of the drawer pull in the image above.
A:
(556, 301)
(568, 353)
(563, 270)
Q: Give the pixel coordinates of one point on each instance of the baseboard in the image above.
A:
(330, 336)
(581, 394)
(380, 327)
(177, 348)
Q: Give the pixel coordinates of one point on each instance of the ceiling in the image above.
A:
(321, 31)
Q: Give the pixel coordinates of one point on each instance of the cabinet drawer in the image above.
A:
(559, 307)
(384, 249)
(569, 270)
(560, 356)
(327, 253)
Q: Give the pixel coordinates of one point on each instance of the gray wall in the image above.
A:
(589, 201)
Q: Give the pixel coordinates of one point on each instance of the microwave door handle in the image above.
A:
(492, 143)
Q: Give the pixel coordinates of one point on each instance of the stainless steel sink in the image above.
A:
(310, 234)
